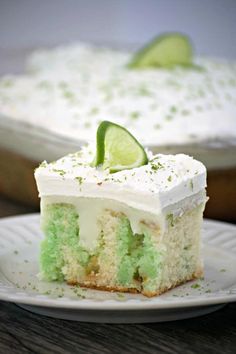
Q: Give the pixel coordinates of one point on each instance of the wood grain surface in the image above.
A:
(22, 332)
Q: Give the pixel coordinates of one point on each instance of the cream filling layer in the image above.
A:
(91, 209)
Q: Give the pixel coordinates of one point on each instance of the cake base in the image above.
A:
(196, 275)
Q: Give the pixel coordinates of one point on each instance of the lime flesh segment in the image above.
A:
(166, 50)
(117, 149)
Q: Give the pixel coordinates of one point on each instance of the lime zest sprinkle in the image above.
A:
(170, 219)
(195, 286)
(79, 179)
(61, 172)
(191, 184)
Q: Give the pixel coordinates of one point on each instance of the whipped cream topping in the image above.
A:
(165, 180)
(69, 90)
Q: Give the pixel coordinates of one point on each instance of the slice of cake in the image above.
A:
(130, 221)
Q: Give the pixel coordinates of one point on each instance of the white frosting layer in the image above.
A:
(71, 89)
(165, 180)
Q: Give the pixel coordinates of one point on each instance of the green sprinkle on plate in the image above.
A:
(166, 50)
(117, 149)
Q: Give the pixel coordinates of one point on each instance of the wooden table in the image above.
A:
(23, 332)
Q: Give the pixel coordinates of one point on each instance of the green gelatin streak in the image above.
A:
(137, 257)
(61, 227)
(127, 265)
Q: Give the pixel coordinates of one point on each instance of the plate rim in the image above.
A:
(116, 304)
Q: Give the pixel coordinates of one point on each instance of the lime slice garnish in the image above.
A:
(117, 149)
(166, 50)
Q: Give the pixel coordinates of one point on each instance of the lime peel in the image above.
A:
(166, 50)
(117, 148)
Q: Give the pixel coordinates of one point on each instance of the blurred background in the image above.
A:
(28, 24)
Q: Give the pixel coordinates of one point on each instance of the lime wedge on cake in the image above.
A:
(117, 149)
(166, 50)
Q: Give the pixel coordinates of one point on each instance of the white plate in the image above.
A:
(19, 248)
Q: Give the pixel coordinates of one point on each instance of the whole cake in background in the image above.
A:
(163, 94)
(172, 100)
(120, 218)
